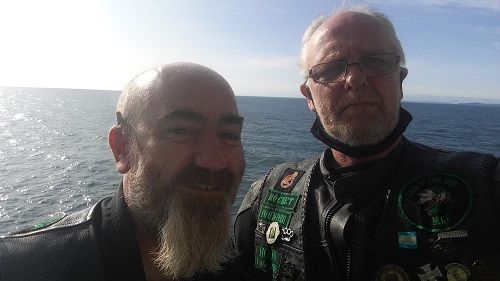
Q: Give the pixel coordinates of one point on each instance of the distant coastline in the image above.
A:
(451, 100)
(407, 98)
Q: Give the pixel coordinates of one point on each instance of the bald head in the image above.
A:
(148, 87)
(317, 35)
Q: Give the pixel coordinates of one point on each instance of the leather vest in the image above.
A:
(437, 220)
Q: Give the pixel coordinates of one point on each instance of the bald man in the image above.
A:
(177, 145)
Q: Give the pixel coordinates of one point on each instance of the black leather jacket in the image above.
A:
(418, 213)
(98, 243)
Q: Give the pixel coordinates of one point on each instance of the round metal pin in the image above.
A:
(272, 233)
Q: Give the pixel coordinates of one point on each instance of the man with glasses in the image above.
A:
(177, 145)
(374, 205)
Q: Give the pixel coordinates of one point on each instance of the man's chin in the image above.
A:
(362, 135)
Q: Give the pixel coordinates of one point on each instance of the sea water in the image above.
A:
(54, 156)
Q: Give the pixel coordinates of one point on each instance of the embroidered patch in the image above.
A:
(269, 215)
(452, 234)
(429, 274)
(278, 207)
(267, 259)
(288, 180)
(456, 272)
(261, 253)
(275, 263)
(407, 240)
(392, 272)
(282, 200)
(436, 202)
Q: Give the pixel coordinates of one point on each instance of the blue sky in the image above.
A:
(452, 46)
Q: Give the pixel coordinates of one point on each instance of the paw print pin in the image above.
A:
(287, 234)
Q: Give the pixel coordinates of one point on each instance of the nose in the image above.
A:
(210, 154)
(355, 78)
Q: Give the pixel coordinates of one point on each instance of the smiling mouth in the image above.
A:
(203, 186)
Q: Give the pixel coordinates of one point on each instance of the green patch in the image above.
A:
(282, 200)
(41, 225)
(269, 215)
(267, 258)
(435, 203)
(275, 263)
(261, 254)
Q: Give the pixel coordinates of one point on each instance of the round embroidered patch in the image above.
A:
(435, 203)
(457, 272)
(392, 272)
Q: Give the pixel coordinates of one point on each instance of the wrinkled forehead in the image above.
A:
(204, 92)
(350, 32)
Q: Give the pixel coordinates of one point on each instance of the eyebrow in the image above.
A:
(231, 119)
(187, 114)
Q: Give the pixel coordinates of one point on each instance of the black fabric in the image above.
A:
(94, 244)
(120, 252)
(318, 132)
(336, 187)
(371, 233)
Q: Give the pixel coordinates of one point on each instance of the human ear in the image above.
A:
(118, 143)
(306, 92)
(402, 75)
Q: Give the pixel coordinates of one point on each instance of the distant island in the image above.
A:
(451, 100)
(407, 98)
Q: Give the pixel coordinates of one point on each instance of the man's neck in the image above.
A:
(347, 161)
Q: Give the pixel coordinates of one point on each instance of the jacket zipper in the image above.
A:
(348, 265)
(331, 250)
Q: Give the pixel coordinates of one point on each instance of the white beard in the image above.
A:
(193, 234)
(361, 130)
(194, 241)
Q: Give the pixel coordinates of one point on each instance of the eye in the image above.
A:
(373, 60)
(328, 72)
(230, 138)
(179, 133)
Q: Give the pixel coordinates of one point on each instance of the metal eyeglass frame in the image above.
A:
(347, 65)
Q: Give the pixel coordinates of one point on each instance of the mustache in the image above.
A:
(200, 176)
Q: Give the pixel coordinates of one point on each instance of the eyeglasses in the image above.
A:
(371, 66)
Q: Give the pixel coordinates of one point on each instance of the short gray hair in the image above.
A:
(134, 99)
(381, 18)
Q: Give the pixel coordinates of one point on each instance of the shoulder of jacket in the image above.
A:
(257, 187)
(75, 219)
(486, 165)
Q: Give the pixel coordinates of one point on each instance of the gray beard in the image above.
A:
(194, 243)
(193, 236)
(360, 133)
